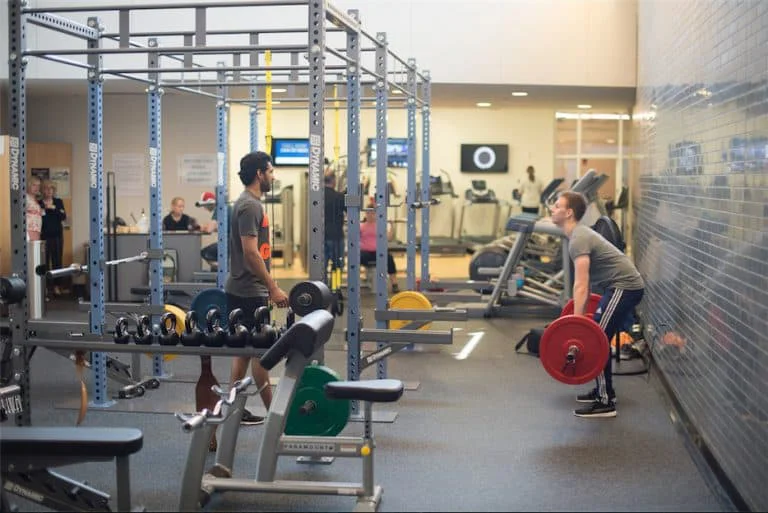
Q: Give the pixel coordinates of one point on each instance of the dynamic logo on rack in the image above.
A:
(93, 160)
(153, 167)
(315, 149)
(221, 160)
(14, 161)
(23, 492)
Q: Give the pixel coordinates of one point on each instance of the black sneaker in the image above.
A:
(597, 409)
(592, 396)
(249, 419)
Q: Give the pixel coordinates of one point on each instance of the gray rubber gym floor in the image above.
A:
(492, 432)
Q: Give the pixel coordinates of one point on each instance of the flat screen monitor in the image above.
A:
(397, 152)
(290, 152)
(484, 158)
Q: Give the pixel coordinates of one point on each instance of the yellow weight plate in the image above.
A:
(180, 316)
(408, 300)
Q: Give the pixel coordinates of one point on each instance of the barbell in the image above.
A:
(574, 348)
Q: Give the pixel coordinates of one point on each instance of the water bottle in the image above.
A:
(520, 275)
(143, 224)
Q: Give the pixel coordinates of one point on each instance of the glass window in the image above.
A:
(567, 169)
(600, 136)
(565, 137)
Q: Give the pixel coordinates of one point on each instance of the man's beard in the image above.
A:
(265, 186)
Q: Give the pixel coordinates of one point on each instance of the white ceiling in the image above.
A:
(603, 99)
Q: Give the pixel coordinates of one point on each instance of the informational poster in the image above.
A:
(43, 173)
(130, 170)
(198, 169)
(60, 177)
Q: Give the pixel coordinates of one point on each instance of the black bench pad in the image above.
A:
(371, 390)
(70, 441)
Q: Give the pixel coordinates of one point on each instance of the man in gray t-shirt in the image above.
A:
(249, 285)
(599, 263)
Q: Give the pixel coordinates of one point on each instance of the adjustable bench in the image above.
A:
(29, 452)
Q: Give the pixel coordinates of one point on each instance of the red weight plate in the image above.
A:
(579, 332)
(592, 302)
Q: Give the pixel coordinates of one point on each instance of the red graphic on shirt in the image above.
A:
(265, 221)
(265, 251)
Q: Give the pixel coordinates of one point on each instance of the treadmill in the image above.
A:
(443, 244)
(480, 196)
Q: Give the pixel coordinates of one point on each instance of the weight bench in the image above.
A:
(29, 452)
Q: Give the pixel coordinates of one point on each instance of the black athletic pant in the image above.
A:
(54, 254)
(614, 308)
(369, 257)
(248, 305)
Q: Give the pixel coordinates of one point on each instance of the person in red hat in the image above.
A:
(208, 202)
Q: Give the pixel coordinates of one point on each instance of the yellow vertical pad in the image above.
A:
(408, 300)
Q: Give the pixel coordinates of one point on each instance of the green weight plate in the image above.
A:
(313, 414)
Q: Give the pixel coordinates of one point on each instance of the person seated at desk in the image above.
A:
(368, 246)
(177, 220)
(210, 252)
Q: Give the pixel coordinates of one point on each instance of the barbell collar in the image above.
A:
(54, 274)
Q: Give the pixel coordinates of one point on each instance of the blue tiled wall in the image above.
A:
(701, 220)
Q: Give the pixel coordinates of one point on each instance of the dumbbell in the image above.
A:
(121, 331)
(238, 334)
(192, 335)
(215, 335)
(168, 335)
(263, 334)
(144, 335)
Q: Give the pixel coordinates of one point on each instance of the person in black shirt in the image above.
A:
(177, 220)
(53, 228)
(334, 223)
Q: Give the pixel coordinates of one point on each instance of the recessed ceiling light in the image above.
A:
(278, 90)
(396, 91)
(275, 102)
(483, 104)
(610, 141)
(584, 106)
(519, 93)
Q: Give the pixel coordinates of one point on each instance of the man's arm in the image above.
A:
(580, 284)
(254, 262)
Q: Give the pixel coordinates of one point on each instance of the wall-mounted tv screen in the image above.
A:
(484, 158)
(290, 152)
(397, 152)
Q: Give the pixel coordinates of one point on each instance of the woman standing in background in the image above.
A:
(530, 191)
(34, 210)
(53, 228)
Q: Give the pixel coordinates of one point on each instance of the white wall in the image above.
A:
(555, 42)
(189, 127)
